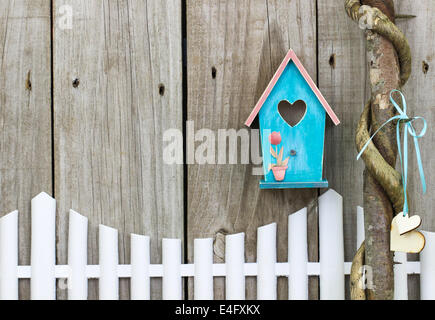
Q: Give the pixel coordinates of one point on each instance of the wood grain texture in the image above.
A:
(244, 41)
(25, 113)
(342, 80)
(108, 130)
(420, 98)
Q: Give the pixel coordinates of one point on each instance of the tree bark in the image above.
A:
(385, 6)
(357, 290)
(384, 77)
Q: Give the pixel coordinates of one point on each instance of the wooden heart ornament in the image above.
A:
(407, 223)
(292, 113)
(410, 242)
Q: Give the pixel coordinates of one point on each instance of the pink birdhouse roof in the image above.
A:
(291, 56)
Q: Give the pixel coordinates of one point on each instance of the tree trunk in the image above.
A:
(384, 75)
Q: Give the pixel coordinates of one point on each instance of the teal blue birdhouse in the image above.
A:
(292, 114)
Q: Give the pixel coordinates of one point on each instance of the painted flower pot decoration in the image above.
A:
(279, 169)
(279, 172)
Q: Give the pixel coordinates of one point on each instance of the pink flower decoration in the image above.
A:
(275, 138)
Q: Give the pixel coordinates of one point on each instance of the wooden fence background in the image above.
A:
(83, 111)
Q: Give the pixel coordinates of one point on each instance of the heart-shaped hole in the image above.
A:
(292, 113)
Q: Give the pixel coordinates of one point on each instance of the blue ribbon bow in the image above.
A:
(408, 128)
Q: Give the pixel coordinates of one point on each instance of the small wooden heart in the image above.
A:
(411, 242)
(292, 113)
(407, 223)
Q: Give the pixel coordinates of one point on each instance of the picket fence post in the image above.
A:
(140, 263)
(266, 262)
(77, 256)
(400, 276)
(298, 256)
(427, 268)
(43, 248)
(234, 265)
(331, 246)
(9, 256)
(203, 259)
(108, 259)
(171, 258)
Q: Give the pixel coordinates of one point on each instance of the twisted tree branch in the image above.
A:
(388, 177)
(357, 291)
(371, 18)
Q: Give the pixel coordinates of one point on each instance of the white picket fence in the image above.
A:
(331, 269)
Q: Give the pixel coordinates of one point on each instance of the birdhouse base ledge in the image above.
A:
(293, 185)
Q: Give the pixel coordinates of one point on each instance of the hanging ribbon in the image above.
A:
(407, 128)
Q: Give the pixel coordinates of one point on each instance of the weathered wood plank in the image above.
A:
(25, 113)
(420, 98)
(342, 79)
(108, 128)
(293, 25)
(234, 48)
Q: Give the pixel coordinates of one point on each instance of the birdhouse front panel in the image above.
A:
(292, 124)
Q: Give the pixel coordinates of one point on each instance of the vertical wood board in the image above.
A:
(342, 80)
(420, 98)
(233, 50)
(118, 87)
(25, 113)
